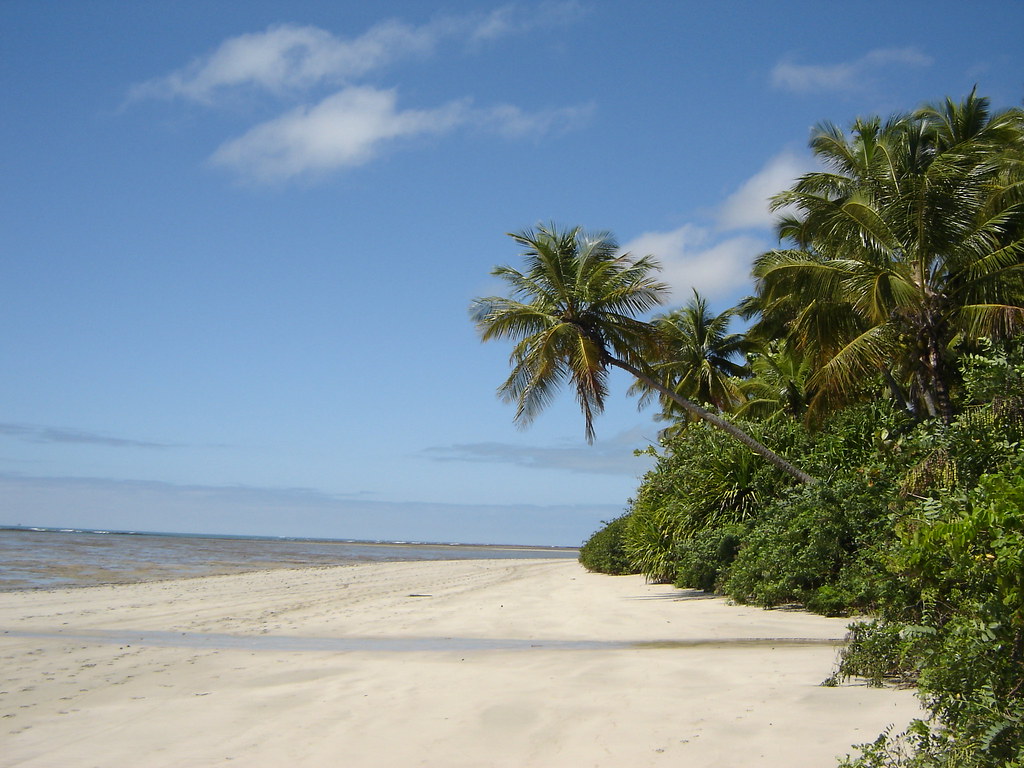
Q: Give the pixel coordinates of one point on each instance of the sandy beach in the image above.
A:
(451, 664)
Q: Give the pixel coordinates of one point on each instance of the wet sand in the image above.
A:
(450, 663)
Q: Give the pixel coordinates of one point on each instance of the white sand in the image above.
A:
(499, 663)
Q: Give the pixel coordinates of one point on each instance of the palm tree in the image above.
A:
(697, 358)
(910, 244)
(573, 315)
(777, 387)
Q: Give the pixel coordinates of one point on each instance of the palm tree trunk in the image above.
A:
(897, 393)
(937, 372)
(926, 395)
(717, 421)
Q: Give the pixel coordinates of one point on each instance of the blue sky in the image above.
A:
(239, 240)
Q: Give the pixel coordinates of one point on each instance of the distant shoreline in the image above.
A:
(56, 558)
(311, 539)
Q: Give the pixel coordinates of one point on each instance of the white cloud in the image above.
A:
(691, 258)
(844, 76)
(747, 207)
(289, 58)
(344, 130)
(515, 19)
(717, 260)
(351, 127)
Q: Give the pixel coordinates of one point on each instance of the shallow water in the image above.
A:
(34, 559)
(221, 641)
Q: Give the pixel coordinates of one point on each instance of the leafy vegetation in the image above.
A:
(605, 551)
(884, 366)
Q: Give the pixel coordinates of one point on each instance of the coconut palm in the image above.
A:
(698, 358)
(908, 245)
(573, 315)
(777, 387)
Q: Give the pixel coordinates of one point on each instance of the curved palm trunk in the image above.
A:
(717, 421)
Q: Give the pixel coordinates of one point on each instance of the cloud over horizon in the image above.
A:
(36, 433)
(614, 456)
(94, 503)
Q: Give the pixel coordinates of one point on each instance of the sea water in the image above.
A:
(38, 558)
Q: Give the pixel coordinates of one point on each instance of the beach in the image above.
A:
(435, 663)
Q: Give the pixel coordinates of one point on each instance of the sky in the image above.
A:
(238, 241)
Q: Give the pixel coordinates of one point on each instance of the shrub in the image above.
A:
(962, 558)
(650, 540)
(703, 480)
(810, 546)
(878, 651)
(605, 550)
(702, 561)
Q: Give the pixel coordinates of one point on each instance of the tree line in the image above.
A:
(857, 449)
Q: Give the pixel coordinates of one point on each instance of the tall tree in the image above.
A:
(910, 243)
(573, 317)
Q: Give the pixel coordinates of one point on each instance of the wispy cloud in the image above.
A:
(844, 76)
(353, 126)
(520, 19)
(339, 122)
(35, 433)
(289, 57)
(614, 456)
(514, 123)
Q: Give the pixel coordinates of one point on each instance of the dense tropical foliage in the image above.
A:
(884, 356)
(907, 247)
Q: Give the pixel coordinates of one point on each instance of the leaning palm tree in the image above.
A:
(572, 316)
(910, 243)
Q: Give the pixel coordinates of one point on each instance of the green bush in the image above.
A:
(704, 480)
(650, 540)
(880, 652)
(703, 560)
(962, 561)
(605, 550)
(812, 547)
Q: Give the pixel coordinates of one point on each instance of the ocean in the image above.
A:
(49, 558)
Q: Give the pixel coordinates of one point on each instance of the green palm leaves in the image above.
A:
(572, 315)
(698, 358)
(572, 308)
(909, 244)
